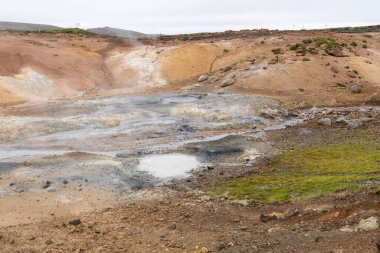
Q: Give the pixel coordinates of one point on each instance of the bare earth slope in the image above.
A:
(68, 64)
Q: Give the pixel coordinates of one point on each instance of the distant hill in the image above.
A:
(15, 26)
(118, 32)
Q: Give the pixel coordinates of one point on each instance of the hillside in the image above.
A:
(117, 32)
(15, 26)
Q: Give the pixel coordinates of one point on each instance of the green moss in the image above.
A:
(309, 173)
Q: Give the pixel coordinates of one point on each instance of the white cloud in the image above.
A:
(174, 16)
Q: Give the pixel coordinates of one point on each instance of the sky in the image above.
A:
(189, 16)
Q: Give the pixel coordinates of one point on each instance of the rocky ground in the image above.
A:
(184, 218)
(88, 125)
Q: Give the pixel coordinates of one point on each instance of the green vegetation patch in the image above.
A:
(277, 51)
(330, 43)
(309, 173)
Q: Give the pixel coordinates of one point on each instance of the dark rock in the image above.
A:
(75, 222)
(49, 242)
(378, 245)
(172, 226)
(46, 184)
(65, 182)
(221, 246)
(266, 218)
(210, 167)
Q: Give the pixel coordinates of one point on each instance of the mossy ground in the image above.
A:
(309, 173)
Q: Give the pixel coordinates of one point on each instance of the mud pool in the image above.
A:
(89, 154)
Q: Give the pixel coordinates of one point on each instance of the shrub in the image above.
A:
(365, 46)
(365, 41)
(225, 50)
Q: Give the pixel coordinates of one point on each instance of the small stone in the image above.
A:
(221, 246)
(335, 69)
(341, 119)
(228, 82)
(378, 245)
(325, 122)
(204, 250)
(266, 218)
(46, 184)
(172, 226)
(202, 78)
(49, 242)
(227, 68)
(305, 59)
(368, 224)
(351, 74)
(65, 182)
(75, 222)
(356, 88)
(213, 79)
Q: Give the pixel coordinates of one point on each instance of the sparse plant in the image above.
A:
(365, 46)
(365, 41)
(353, 44)
(369, 36)
(307, 41)
(277, 51)
(226, 50)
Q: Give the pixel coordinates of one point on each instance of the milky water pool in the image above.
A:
(168, 165)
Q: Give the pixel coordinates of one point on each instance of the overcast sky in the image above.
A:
(185, 16)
